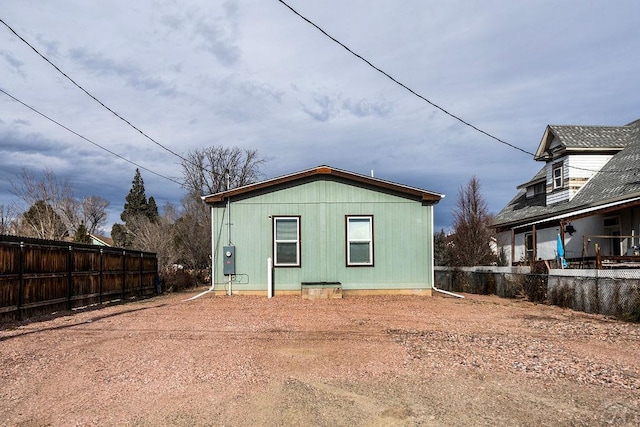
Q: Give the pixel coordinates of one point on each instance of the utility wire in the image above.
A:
(413, 92)
(96, 99)
(87, 139)
(404, 86)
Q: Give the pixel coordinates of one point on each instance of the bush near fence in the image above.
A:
(610, 292)
(41, 276)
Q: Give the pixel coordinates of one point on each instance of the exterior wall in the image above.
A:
(557, 195)
(576, 171)
(580, 168)
(546, 239)
(504, 243)
(402, 236)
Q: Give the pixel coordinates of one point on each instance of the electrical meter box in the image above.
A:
(229, 256)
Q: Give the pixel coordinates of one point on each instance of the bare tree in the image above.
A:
(472, 228)
(41, 221)
(8, 218)
(94, 213)
(52, 203)
(192, 237)
(205, 171)
(153, 236)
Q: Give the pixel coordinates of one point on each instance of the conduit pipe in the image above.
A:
(447, 292)
(433, 276)
(213, 257)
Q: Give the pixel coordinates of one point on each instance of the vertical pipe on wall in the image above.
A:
(229, 227)
(269, 277)
(213, 248)
(433, 275)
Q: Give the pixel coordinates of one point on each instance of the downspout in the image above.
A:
(213, 257)
(229, 225)
(433, 275)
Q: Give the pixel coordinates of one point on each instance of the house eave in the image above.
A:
(426, 197)
(572, 214)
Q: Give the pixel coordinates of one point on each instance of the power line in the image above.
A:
(87, 139)
(413, 92)
(96, 99)
(404, 86)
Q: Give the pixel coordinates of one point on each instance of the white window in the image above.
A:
(359, 240)
(557, 176)
(286, 241)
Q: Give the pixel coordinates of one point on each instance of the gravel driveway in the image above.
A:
(361, 361)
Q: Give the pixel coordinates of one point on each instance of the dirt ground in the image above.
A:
(285, 361)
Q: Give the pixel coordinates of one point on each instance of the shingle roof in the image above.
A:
(617, 180)
(592, 136)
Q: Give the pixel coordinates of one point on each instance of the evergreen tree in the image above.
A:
(120, 236)
(441, 250)
(82, 236)
(43, 222)
(136, 201)
(152, 210)
(137, 209)
(472, 228)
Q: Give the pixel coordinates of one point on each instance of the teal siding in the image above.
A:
(402, 237)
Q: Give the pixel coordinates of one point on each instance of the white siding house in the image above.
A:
(587, 192)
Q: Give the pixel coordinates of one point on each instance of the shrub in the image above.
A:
(177, 281)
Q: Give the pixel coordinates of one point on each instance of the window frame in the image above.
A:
(558, 181)
(529, 245)
(370, 240)
(298, 241)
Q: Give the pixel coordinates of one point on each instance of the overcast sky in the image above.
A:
(252, 74)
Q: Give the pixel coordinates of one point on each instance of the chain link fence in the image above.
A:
(609, 292)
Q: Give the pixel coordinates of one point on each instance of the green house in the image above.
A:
(323, 228)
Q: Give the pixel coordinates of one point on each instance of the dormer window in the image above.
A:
(539, 189)
(557, 176)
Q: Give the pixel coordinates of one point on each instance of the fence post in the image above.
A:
(141, 275)
(69, 277)
(101, 277)
(124, 273)
(20, 280)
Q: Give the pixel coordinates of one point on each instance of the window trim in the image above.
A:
(529, 248)
(557, 167)
(298, 241)
(371, 241)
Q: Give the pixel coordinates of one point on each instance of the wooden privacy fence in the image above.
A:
(41, 277)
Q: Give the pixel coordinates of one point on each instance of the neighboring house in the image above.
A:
(323, 226)
(588, 192)
(100, 240)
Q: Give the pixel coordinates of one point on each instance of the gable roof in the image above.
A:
(617, 181)
(101, 240)
(584, 138)
(327, 172)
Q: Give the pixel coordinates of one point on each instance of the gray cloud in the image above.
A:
(252, 74)
(14, 64)
(133, 75)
